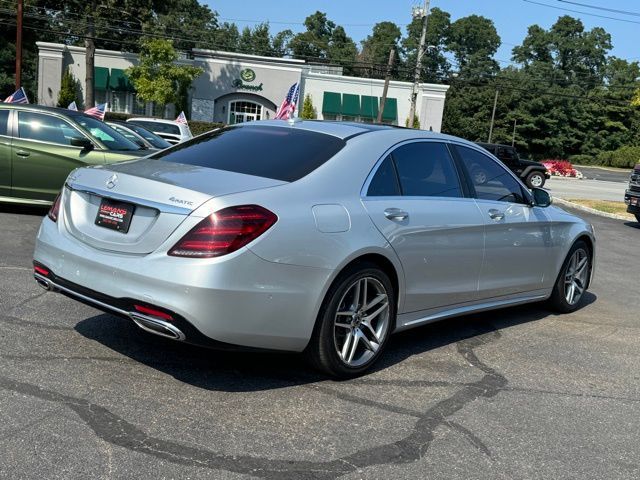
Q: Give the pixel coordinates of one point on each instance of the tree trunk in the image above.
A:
(90, 46)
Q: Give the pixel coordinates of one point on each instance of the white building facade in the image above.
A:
(235, 88)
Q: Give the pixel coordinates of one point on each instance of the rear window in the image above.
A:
(158, 126)
(4, 122)
(286, 154)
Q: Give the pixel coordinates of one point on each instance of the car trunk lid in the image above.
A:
(160, 195)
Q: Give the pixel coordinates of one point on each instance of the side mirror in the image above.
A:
(85, 143)
(541, 197)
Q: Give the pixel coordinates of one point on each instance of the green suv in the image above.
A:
(39, 146)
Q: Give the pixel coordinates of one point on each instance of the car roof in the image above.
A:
(43, 108)
(151, 119)
(347, 130)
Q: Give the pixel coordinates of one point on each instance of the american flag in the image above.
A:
(98, 111)
(73, 106)
(19, 96)
(288, 106)
(182, 118)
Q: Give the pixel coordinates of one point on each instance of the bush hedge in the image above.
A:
(196, 127)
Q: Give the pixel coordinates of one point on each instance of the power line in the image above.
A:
(604, 9)
(581, 12)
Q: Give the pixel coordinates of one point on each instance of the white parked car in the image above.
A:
(172, 131)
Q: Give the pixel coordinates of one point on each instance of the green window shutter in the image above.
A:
(332, 103)
(390, 112)
(369, 107)
(119, 81)
(350, 105)
(100, 78)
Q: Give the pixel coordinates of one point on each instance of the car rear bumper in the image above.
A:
(236, 300)
(632, 199)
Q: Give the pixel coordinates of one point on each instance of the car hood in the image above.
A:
(531, 163)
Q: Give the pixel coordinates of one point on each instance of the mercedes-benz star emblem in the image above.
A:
(111, 181)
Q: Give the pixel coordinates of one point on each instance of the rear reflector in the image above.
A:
(153, 312)
(40, 270)
(55, 209)
(224, 232)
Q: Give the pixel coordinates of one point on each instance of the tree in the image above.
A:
(313, 43)
(226, 38)
(342, 50)
(281, 42)
(68, 89)
(473, 40)
(435, 65)
(376, 47)
(308, 110)
(157, 78)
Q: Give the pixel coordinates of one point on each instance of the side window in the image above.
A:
(4, 122)
(385, 181)
(45, 128)
(426, 169)
(491, 181)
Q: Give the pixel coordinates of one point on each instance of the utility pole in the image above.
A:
(89, 56)
(422, 13)
(383, 100)
(513, 138)
(19, 45)
(493, 115)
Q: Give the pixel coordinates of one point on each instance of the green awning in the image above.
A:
(119, 81)
(332, 103)
(390, 112)
(100, 78)
(369, 107)
(350, 105)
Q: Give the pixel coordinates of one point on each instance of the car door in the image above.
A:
(517, 235)
(5, 154)
(416, 200)
(42, 155)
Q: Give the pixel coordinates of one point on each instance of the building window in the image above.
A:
(100, 96)
(139, 106)
(243, 111)
(118, 102)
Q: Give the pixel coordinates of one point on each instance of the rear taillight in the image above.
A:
(55, 209)
(153, 312)
(224, 232)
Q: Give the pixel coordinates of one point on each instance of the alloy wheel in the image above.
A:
(361, 322)
(536, 181)
(575, 277)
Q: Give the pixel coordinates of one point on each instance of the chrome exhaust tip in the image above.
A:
(44, 284)
(157, 326)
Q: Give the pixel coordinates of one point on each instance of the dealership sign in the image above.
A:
(246, 76)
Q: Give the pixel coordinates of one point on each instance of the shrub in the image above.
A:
(560, 168)
(583, 159)
(202, 127)
(625, 157)
(117, 117)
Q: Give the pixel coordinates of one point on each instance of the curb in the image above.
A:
(593, 211)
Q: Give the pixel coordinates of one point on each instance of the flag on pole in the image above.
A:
(288, 106)
(182, 118)
(98, 111)
(73, 106)
(19, 96)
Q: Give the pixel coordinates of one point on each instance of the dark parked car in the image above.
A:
(534, 174)
(632, 195)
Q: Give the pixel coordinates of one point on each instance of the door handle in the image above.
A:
(22, 153)
(395, 214)
(496, 214)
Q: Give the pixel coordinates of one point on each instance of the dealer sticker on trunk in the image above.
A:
(115, 215)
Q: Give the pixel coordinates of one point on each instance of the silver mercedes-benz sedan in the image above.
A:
(308, 236)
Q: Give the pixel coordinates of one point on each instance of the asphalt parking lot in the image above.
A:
(519, 393)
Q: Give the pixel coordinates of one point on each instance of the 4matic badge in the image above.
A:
(180, 201)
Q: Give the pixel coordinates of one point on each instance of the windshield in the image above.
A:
(286, 154)
(158, 127)
(150, 137)
(107, 135)
(129, 135)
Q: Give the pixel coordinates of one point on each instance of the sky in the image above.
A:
(511, 17)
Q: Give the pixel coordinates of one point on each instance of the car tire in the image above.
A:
(573, 277)
(535, 179)
(345, 342)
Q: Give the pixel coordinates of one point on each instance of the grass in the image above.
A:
(607, 206)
